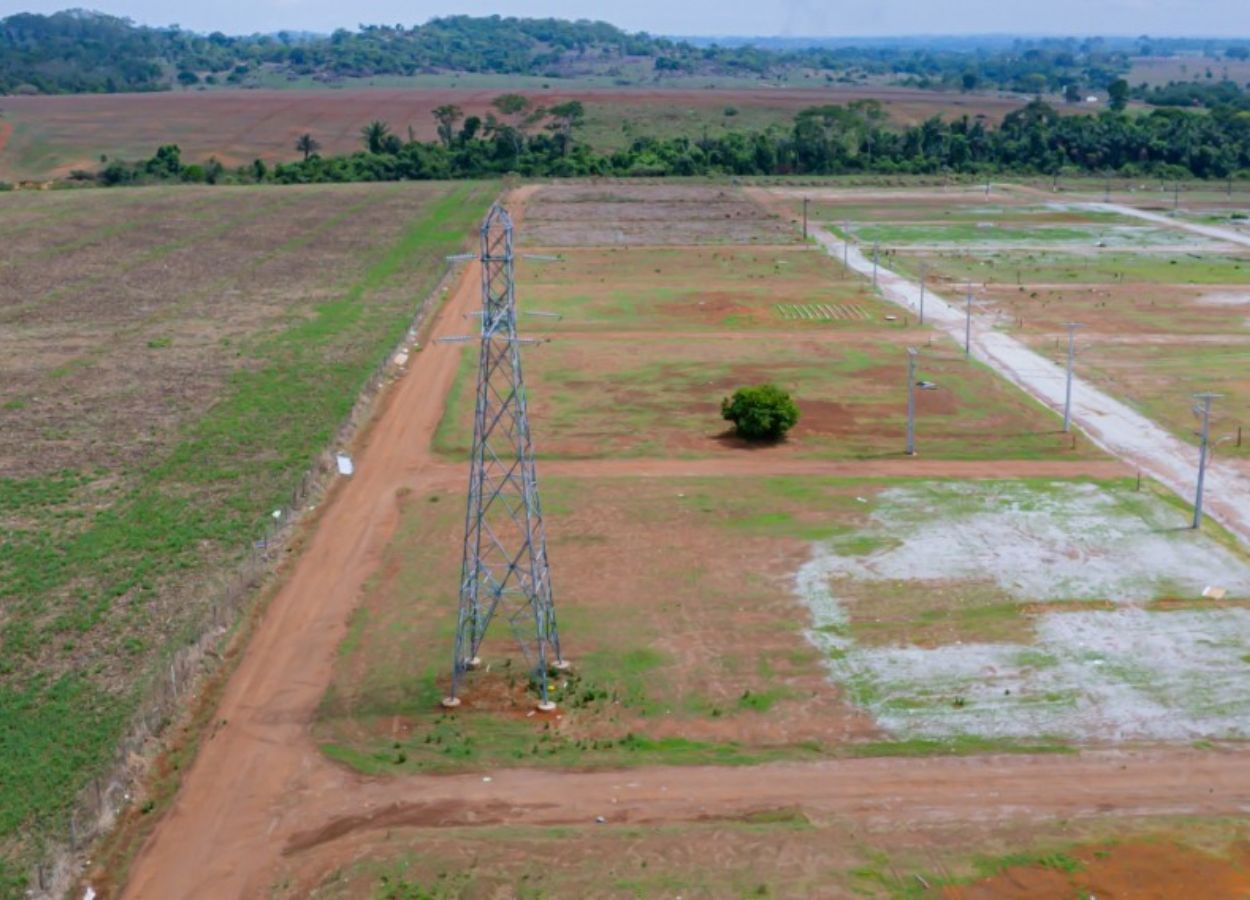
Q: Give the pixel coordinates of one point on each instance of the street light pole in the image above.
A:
(804, 218)
(1205, 412)
(911, 401)
(968, 325)
(1067, 397)
(924, 270)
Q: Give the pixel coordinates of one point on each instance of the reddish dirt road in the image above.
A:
(872, 791)
(257, 776)
(6, 129)
(260, 795)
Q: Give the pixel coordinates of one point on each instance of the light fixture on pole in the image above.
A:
(911, 401)
(1202, 408)
(1067, 395)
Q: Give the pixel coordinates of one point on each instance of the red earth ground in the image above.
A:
(1139, 870)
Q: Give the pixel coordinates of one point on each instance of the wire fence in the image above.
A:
(225, 596)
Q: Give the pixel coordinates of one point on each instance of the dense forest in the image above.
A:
(77, 51)
(824, 140)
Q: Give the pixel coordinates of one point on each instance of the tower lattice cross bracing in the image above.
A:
(504, 573)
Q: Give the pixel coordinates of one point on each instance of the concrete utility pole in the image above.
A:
(846, 245)
(1067, 396)
(968, 325)
(804, 218)
(924, 270)
(1204, 410)
(911, 401)
(875, 246)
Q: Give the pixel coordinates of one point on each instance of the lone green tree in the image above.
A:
(763, 412)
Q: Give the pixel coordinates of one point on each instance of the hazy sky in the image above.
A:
(707, 17)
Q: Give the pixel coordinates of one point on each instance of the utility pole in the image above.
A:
(846, 245)
(1106, 191)
(1067, 396)
(1203, 410)
(911, 401)
(874, 264)
(804, 218)
(1176, 195)
(924, 270)
(968, 325)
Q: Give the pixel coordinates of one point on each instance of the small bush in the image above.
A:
(761, 413)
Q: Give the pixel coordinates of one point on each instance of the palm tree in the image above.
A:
(374, 135)
(307, 145)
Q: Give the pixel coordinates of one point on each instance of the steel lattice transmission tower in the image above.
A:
(504, 572)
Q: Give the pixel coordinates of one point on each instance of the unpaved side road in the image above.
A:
(1113, 425)
(973, 790)
(1211, 231)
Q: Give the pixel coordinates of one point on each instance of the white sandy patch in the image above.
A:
(1064, 541)
(1225, 298)
(1119, 674)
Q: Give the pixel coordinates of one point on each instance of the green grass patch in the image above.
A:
(957, 745)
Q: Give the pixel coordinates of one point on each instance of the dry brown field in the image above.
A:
(53, 135)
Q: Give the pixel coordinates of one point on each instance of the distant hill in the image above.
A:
(86, 52)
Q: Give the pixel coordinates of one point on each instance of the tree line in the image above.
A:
(823, 140)
(77, 51)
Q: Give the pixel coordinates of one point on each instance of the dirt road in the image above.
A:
(1114, 426)
(1212, 231)
(875, 792)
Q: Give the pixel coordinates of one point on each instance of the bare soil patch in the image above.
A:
(612, 213)
(1157, 870)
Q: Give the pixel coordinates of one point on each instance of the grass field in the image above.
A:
(707, 655)
(660, 397)
(174, 360)
(699, 288)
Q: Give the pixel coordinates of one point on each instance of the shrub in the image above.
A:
(761, 413)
